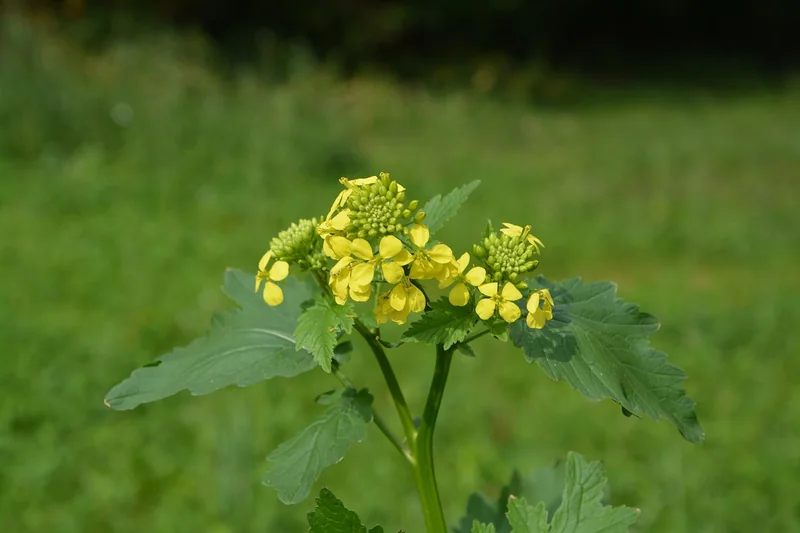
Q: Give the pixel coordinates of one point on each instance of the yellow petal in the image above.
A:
(400, 317)
(279, 271)
(463, 261)
(441, 253)
(421, 268)
(420, 235)
(416, 299)
(489, 289)
(273, 294)
(476, 276)
(361, 248)
(341, 221)
(459, 295)
(403, 257)
(535, 242)
(364, 181)
(339, 202)
(340, 246)
(512, 230)
(258, 282)
(360, 294)
(536, 320)
(509, 311)
(533, 302)
(398, 297)
(547, 297)
(362, 274)
(339, 289)
(262, 264)
(392, 272)
(511, 293)
(390, 246)
(485, 308)
(341, 264)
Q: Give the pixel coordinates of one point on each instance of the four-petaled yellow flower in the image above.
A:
(436, 263)
(502, 302)
(459, 295)
(512, 230)
(391, 258)
(273, 294)
(399, 302)
(537, 316)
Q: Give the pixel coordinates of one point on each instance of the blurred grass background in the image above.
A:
(132, 176)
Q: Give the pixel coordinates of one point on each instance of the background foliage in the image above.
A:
(132, 176)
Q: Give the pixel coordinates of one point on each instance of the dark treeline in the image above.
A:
(409, 36)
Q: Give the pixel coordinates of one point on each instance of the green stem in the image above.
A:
(406, 421)
(475, 336)
(379, 421)
(423, 446)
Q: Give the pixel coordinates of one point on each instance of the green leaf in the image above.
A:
(582, 509)
(443, 323)
(477, 527)
(331, 516)
(297, 463)
(598, 343)
(243, 347)
(480, 509)
(319, 327)
(525, 518)
(439, 210)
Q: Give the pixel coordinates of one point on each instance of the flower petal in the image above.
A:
(360, 294)
(279, 271)
(416, 299)
(362, 274)
(511, 293)
(476, 276)
(273, 294)
(488, 289)
(442, 254)
(361, 249)
(262, 264)
(403, 257)
(420, 235)
(533, 302)
(341, 264)
(398, 298)
(392, 272)
(459, 295)
(512, 230)
(364, 181)
(390, 246)
(463, 262)
(341, 221)
(485, 308)
(509, 311)
(536, 320)
(339, 245)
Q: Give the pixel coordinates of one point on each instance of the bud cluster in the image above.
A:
(299, 245)
(379, 208)
(507, 257)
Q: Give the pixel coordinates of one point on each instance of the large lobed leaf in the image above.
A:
(598, 343)
(243, 347)
(440, 209)
(319, 327)
(297, 463)
(581, 509)
(443, 324)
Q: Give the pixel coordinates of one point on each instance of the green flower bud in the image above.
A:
(419, 217)
(299, 244)
(479, 251)
(413, 204)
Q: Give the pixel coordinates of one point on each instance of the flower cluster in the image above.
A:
(382, 248)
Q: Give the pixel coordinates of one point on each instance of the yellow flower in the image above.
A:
(399, 302)
(391, 258)
(512, 230)
(502, 302)
(537, 316)
(459, 295)
(436, 263)
(330, 230)
(340, 279)
(273, 294)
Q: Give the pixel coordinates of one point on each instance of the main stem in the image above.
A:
(422, 448)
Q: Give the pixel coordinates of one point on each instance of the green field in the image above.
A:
(130, 180)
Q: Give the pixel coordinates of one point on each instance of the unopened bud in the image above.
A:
(401, 196)
(419, 217)
(521, 285)
(413, 204)
(406, 213)
(479, 251)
